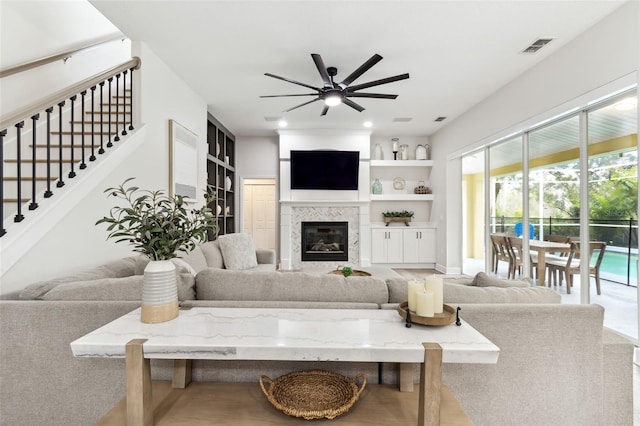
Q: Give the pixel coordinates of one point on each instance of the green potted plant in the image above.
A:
(158, 226)
(403, 216)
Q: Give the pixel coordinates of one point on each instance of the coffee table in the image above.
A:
(285, 335)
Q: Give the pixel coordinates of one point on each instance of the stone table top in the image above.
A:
(365, 335)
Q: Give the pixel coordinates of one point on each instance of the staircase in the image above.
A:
(45, 147)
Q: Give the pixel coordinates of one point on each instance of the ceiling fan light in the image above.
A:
(332, 100)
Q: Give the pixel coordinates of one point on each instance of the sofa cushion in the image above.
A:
(238, 251)
(195, 258)
(115, 269)
(212, 254)
(125, 288)
(223, 284)
(277, 304)
(454, 293)
(483, 280)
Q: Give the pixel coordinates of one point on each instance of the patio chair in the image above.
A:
(571, 265)
(518, 230)
(517, 253)
(500, 253)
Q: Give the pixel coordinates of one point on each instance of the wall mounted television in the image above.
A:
(325, 169)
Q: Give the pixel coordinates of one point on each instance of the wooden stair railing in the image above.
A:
(38, 161)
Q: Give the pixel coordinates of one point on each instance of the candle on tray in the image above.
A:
(424, 303)
(414, 286)
(434, 284)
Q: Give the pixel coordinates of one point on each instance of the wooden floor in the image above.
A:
(244, 404)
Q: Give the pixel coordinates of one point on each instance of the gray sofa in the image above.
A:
(557, 364)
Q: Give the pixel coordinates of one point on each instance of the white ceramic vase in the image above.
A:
(227, 183)
(159, 292)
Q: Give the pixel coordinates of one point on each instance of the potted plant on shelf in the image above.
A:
(158, 226)
(402, 216)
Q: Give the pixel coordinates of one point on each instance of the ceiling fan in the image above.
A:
(333, 93)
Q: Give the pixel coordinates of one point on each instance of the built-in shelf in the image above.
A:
(402, 197)
(220, 165)
(401, 163)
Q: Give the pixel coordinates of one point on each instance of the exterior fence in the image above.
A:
(619, 234)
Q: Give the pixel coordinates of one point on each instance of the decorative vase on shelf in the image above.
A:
(159, 292)
(377, 152)
(227, 183)
(421, 152)
(218, 209)
(404, 152)
(376, 188)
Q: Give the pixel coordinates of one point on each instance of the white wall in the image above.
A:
(75, 243)
(31, 30)
(602, 59)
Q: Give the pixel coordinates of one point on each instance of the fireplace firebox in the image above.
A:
(325, 241)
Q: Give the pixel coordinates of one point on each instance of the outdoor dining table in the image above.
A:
(543, 247)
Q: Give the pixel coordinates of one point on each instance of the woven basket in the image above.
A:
(314, 394)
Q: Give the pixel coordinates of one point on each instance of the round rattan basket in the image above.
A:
(314, 394)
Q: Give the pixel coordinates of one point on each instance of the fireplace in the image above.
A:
(325, 241)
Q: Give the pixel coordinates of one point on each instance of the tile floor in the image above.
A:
(619, 301)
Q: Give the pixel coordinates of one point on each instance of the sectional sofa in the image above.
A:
(557, 364)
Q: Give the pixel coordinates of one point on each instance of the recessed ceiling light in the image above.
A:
(626, 104)
(282, 123)
(367, 124)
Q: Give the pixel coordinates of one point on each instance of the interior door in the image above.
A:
(259, 217)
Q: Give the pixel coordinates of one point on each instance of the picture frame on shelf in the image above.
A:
(183, 161)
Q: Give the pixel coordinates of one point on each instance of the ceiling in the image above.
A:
(456, 52)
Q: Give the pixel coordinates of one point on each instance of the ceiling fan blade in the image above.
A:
(322, 69)
(282, 96)
(325, 109)
(291, 81)
(371, 95)
(378, 82)
(298, 106)
(352, 104)
(361, 70)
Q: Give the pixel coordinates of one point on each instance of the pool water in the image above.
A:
(615, 263)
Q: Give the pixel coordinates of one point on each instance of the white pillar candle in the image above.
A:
(396, 146)
(424, 303)
(413, 287)
(434, 284)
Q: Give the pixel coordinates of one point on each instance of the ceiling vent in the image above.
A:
(537, 45)
(440, 119)
(271, 118)
(402, 119)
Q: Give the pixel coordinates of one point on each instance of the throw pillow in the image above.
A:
(181, 265)
(238, 251)
(483, 280)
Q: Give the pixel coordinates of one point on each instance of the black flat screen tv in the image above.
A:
(324, 169)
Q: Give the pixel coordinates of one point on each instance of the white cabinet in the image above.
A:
(419, 245)
(386, 245)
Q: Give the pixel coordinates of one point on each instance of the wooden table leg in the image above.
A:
(405, 377)
(430, 386)
(138, 370)
(541, 268)
(181, 373)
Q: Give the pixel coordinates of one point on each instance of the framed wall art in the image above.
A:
(183, 161)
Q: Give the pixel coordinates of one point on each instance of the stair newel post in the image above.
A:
(60, 182)
(131, 101)
(110, 144)
(117, 138)
(34, 140)
(72, 172)
(3, 133)
(101, 150)
(93, 124)
(124, 102)
(19, 217)
(83, 165)
(48, 192)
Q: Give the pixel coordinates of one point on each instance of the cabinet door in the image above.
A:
(386, 246)
(394, 246)
(379, 246)
(419, 245)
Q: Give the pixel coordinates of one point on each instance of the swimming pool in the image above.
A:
(614, 267)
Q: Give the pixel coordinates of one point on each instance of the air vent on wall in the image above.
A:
(537, 45)
(440, 118)
(271, 118)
